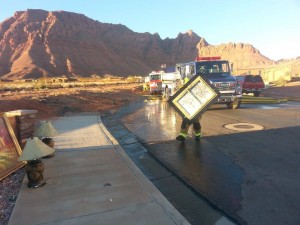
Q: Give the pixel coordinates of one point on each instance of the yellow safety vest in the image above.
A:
(186, 79)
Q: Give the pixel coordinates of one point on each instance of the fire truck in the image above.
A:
(218, 72)
(155, 82)
(165, 82)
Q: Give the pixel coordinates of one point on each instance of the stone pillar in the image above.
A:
(23, 123)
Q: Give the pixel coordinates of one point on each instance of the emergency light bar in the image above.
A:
(201, 58)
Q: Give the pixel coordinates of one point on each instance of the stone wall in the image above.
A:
(23, 124)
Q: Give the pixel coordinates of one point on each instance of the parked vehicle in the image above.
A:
(155, 82)
(218, 72)
(165, 82)
(251, 84)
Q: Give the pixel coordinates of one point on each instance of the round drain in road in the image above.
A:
(243, 126)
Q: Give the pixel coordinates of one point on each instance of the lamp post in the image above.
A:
(35, 149)
(45, 132)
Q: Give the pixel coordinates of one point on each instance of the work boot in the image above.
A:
(197, 138)
(180, 138)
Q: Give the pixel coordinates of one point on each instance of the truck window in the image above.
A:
(155, 77)
(182, 70)
(189, 70)
(249, 78)
(258, 78)
(208, 67)
(225, 68)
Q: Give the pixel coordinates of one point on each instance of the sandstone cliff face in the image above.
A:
(37, 43)
(241, 55)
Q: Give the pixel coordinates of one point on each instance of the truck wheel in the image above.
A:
(256, 93)
(234, 105)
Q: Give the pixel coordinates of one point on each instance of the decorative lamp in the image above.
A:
(45, 132)
(35, 149)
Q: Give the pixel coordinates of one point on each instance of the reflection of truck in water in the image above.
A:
(218, 72)
(165, 82)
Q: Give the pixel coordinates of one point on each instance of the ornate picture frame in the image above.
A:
(9, 149)
(194, 98)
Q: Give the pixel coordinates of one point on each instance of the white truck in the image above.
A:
(165, 83)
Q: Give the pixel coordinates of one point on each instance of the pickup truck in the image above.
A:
(251, 84)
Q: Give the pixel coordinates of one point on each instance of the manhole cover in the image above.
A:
(243, 126)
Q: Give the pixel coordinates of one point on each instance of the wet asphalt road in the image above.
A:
(251, 176)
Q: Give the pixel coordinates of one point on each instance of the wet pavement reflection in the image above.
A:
(157, 121)
(145, 120)
(248, 175)
(209, 171)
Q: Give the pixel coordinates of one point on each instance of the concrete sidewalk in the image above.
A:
(91, 180)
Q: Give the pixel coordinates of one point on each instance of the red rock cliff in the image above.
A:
(37, 43)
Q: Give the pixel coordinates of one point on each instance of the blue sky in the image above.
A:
(271, 26)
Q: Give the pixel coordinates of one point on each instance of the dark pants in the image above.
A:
(185, 124)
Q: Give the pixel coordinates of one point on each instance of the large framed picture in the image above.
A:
(194, 98)
(9, 149)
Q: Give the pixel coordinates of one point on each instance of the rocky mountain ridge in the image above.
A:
(38, 43)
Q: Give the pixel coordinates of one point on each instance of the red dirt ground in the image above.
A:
(59, 102)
